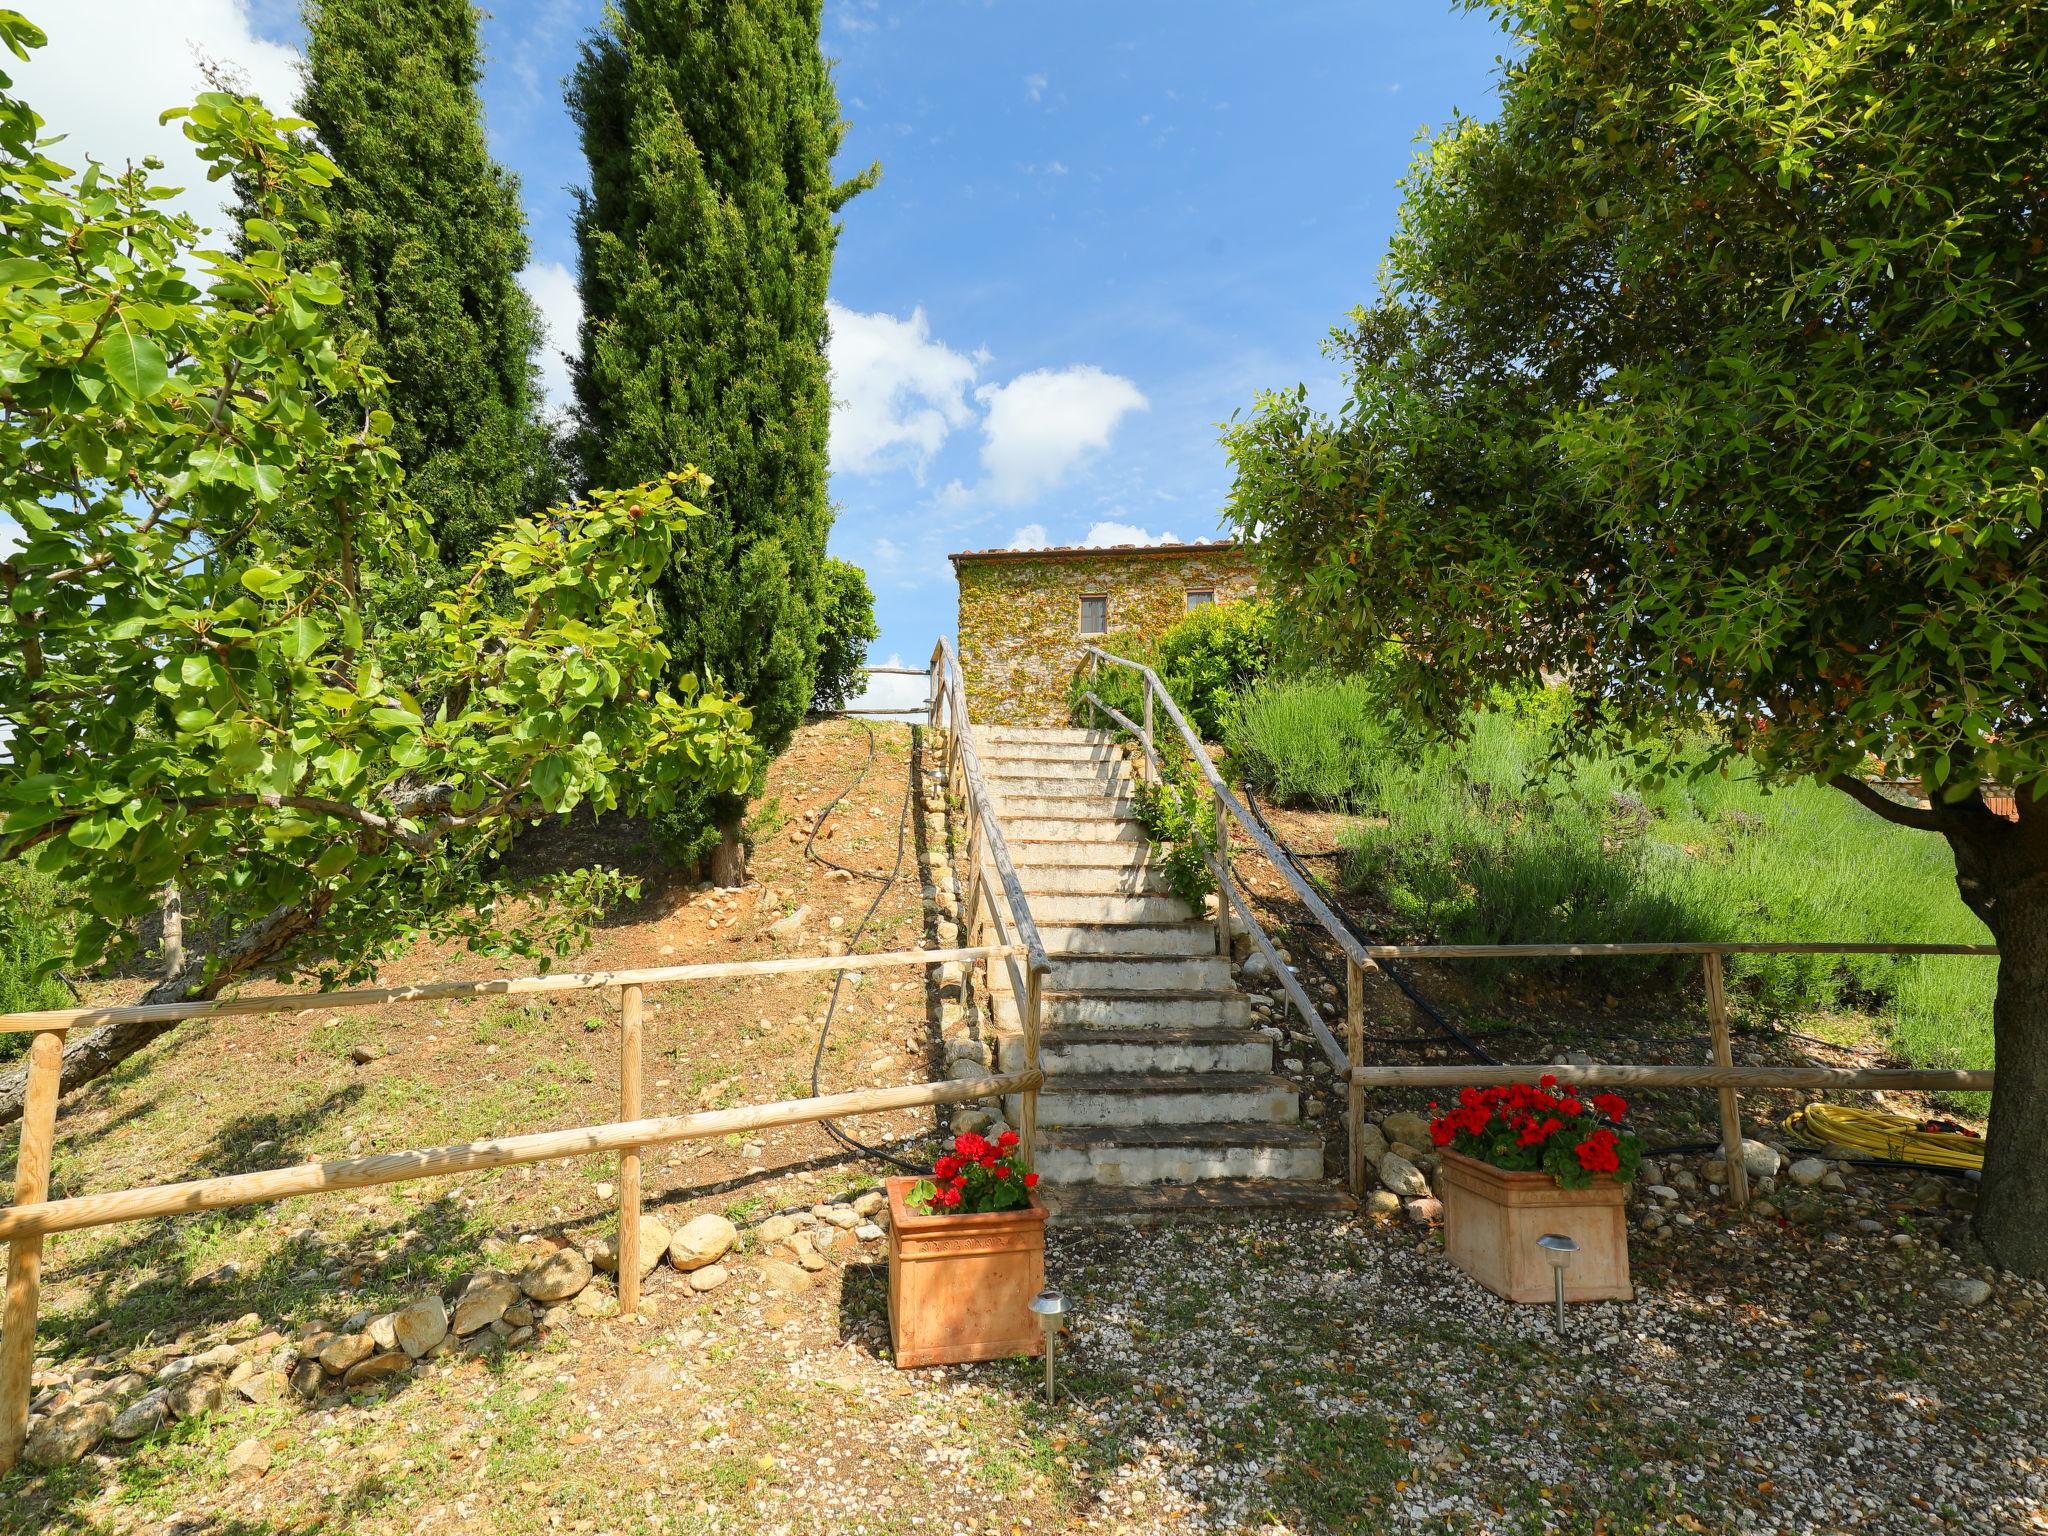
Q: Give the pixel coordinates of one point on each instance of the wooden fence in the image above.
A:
(1724, 1077)
(33, 1215)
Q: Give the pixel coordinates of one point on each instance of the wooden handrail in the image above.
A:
(982, 804)
(1853, 1079)
(1352, 949)
(503, 986)
(1676, 947)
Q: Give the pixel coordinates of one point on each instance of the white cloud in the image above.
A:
(113, 66)
(1030, 536)
(552, 288)
(1041, 425)
(896, 393)
(1034, 87)
(1105, 535)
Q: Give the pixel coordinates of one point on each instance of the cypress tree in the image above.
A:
(705, 240)
(428, 230)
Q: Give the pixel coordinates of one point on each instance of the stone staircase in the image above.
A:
(1160, 1095)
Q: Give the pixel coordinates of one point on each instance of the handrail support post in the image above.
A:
(25, 1254)
(628, 1247)
(1354, 1052)
(1724, 1056)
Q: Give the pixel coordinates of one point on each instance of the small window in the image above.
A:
(1200, 597)
(1095, 615)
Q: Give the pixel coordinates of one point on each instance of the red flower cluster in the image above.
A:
(977, 1175)
(1523, 1127)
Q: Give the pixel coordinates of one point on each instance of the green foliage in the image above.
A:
(32, 943)
(1708, 377)
(1489, 838)
(196, 685)
(706, 240)
(1179, 815)
(427, 230)
(1210, 657)
(846, 627)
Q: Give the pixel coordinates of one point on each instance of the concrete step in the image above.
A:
(1163, 1098)
(1087, 1204)
(1136, 1155)
(1091, 805)
(1039, 736)
(1051, 883)
(1072, 829)
(1139, 973)
(1182, 937)
(1005, 773)
(1128, 853)
(1110, 1009)
(1184, 1049)
(1059, 911)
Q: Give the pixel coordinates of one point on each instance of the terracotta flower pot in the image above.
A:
(960, 1287)
(1492, 1219)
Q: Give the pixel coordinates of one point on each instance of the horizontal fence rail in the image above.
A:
(1926, 1080)
(513, 986)
(82, 1211)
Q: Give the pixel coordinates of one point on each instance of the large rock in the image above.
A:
(654, 1241)
(1807, 1172)
(1411, 1128)
(251, 1458)
(1373, 1142)
(147, 1413)
(377, 1368)
(1383, 1202)
(419, 1327)
(64, 1436)
(702, 1240)
(1761, 1161)
(194, 1396)
(709, 1278)
(1423, 1212)
(1403, 1177)
(346, 1350)
(562, 1274)
(483, 1300)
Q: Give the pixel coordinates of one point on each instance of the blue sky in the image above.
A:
(1101, 228)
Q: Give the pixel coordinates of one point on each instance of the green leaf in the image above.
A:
(134, 362)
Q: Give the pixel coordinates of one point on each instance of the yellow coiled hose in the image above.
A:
(1892, 1136)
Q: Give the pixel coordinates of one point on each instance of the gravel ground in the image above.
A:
(1291, 1374)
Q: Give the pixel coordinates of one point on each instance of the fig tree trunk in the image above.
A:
(2012, 1209)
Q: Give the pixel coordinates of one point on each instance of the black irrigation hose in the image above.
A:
(839, 977)
(1394, 973)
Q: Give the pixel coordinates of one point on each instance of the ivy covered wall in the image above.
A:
(1020, 616)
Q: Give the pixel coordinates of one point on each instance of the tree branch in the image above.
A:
(1930, 818)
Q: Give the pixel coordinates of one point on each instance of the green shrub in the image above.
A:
(1210, 657)
(846, 609)
(32, 943)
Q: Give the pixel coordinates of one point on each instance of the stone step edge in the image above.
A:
(1208, 1133)
(1080, 1204)
(1146, 1084)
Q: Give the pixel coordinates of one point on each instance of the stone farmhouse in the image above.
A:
(1025, 614)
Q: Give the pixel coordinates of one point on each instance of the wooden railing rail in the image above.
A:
(1229, 899)
(33, 1215)
(986, 846)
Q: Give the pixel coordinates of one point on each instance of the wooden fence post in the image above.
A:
(1151, 773)
(1222, 878)
(1027, 1101)
(1354, 1050)
(1724, 1056)
(629, 1158)
(25, 1254)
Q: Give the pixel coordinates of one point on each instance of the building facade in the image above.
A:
(1026, 614)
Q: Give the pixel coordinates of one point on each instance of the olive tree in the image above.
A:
(1709, 377)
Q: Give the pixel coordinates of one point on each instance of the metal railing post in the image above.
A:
(1724, 1056)
(25, 1254)
(630, 1003)
(1027, 1101)
(1151, 770)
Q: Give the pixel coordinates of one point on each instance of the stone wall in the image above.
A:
(1020, 622)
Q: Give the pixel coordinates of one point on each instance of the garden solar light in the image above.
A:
(1557, 1252)
(1051, 1308)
